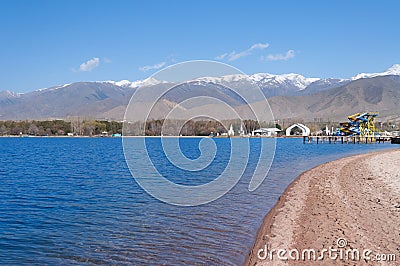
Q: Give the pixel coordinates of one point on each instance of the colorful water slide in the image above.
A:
(359, 124)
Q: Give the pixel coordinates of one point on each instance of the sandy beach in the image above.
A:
(345, 212)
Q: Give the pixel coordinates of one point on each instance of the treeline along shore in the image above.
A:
(93, 127)
(59, 127)
(86, 126)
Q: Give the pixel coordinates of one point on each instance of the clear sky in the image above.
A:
(47, 43)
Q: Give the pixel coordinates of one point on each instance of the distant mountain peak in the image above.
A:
(108, 99)
(55, 87)
(135, 84)
(292, 81)
(287, 80)
(393, 70)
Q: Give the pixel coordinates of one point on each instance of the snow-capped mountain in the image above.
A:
(270, 84)
(323, 84)
(393, 70)
(9, 94)
(280, 85)
(266, 80)
(224, 79)
(285, 80)
(54, 88)
(318, 97)
(135, 84)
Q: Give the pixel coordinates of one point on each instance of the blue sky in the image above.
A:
(46, 43)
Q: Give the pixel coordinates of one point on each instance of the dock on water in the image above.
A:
(345, 139)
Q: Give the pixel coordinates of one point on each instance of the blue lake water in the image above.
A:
(74, 201)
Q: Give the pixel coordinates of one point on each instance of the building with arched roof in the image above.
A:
(305, 130)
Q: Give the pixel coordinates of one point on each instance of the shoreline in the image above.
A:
(355, 198)
(167, 136)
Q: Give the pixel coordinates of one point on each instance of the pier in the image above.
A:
(345, 139)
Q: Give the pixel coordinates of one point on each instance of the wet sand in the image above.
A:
(351, 204)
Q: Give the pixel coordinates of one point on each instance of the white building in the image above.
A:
(269, 132)
(241, 131)
(305, 130)
(231, 132)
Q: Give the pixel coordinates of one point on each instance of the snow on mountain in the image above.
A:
(122, 83)
(135, 84)
(290, 81)
(271, 84)
(10, 94)
(266, 80)
(287, 80)
(393, 70)
(54, 88)
(226, 78)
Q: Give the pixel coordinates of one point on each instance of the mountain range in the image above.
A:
(289, 95)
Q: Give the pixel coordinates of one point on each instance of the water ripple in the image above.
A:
(73, 201)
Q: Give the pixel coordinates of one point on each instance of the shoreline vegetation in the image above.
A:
(59, 128)
(100, 136)
(86, 126)
(153, 127)
(355, 200)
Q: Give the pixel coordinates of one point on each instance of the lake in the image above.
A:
(74, 201)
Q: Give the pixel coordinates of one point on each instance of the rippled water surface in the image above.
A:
(73, 201)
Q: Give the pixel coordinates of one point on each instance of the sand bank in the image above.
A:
(339, 209)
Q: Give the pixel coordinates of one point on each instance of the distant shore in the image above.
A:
(59, 136)
(219, 137)
(351, 204)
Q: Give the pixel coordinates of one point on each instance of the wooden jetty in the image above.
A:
(345, 139)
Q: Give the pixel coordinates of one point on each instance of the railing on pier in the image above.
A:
(344, 139)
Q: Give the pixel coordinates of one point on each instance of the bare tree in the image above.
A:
(33, 129)
(3, 130)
